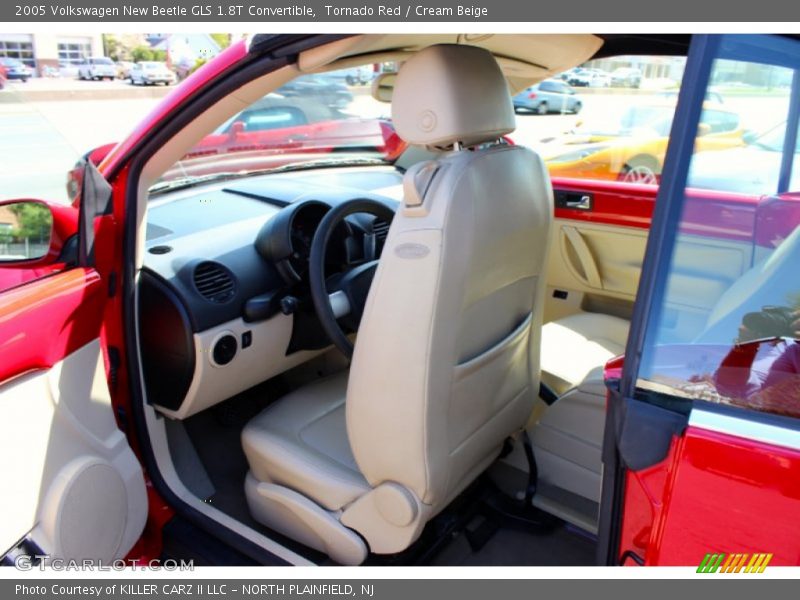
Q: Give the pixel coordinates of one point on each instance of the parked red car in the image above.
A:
(271, 133)
(187, 343)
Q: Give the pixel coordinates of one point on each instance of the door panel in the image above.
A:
(596, 256)
(614, 254)
(74, 487)
(77, 489)
(742, 479)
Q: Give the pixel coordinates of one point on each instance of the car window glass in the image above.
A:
(614, 124)
(733, 337)
(317, 117)
(27, 243)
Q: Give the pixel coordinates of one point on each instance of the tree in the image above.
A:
(34, 221)
(142, 53)
(223, 39)
(113, 47)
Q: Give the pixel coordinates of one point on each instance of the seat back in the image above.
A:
(446, 363)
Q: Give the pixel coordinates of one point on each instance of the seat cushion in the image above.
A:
(574, 347)
(568, 436)
(301, 442)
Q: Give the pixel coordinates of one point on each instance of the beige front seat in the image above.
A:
(446, 364)
(568, 437)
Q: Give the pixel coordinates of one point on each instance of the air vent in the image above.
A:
(380, 229)
(214, 282)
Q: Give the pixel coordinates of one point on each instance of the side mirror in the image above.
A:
(26, 231)
(75, 175)
(383, 87)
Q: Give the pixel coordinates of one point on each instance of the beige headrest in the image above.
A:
(450, 93)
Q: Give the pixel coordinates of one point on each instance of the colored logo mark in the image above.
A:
(734, 563)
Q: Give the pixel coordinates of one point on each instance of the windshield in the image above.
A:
(102, 61)
(329, 119)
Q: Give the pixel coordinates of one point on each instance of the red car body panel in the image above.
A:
(615, 203)
(159, 511)
(43, 322)
(750, 502)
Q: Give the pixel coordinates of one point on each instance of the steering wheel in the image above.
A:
(340, 299)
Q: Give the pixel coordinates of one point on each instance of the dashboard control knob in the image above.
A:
(224, 350)
(289, 305)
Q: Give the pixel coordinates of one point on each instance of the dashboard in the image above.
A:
(223, 294)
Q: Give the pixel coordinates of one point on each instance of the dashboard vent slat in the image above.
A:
(380, 229)
(214, 282)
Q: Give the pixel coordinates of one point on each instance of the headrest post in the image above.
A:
(458, 146)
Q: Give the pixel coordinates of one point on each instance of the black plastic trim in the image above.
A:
(95, 201)
(644, 432)
(168, 369)
(613, 487)
(182, 540)
(547, 393)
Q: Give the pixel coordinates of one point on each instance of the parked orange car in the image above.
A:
(632, 147)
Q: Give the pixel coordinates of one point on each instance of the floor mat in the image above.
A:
(216, 434)
(507, 547)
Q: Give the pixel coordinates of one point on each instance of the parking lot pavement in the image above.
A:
(41, 141)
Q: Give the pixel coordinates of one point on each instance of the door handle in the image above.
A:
(583, 203)
(574, 200)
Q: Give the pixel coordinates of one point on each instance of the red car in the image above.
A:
(180, 366)
(272, 132)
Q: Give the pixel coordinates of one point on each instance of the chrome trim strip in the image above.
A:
(743, 428)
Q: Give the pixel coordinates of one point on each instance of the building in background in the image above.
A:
(652, 67)
(61, 52)
(8, 222)
(50, 50)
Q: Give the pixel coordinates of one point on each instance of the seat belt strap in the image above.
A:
(533, 470)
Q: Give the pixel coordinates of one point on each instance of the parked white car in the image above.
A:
(97, 67)
(151, 73)
(589, 78)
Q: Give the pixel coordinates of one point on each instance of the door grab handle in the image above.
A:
(585, 257)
